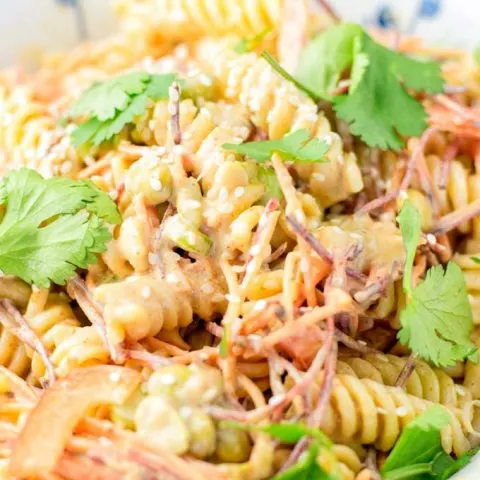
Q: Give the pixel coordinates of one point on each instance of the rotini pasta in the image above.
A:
(192, 19)
(425, 382)
(382, 414)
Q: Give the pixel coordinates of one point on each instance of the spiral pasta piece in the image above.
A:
(381, 414)
(142, 306)
(190, 19)
(68, 343)
(277, 108)
(30, 136)
(425, 382)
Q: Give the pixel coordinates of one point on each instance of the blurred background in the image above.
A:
(30, 26)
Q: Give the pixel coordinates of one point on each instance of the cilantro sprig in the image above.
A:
(418, 454)
(299, 146)
(437, 321)
(51, 226)
(378, 105)
(307, 467)
(110, 105)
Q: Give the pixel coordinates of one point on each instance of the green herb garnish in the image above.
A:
(437, 321)
(307, 467)
(51, 226)
(418, 454)
(298, 146)
(112, 104)
(378, 105)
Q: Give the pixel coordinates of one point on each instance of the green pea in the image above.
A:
(204, 386)
(158, 422)
(164, 381)
(202, 431)
(233, 445)
(124, 414)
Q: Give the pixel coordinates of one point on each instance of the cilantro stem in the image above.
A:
(279, 69)
(408, 471)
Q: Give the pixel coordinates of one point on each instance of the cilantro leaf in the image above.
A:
(474, 259)
(437, 322)
(307, 467)
(379, 109)
(102, 100)
(245, 45)
(418, 454)
(52, 226)
(420, 441)
(112, 104)
(326, 57)
(291, 433)
(410, 226)
(445, 466)
(298, 146)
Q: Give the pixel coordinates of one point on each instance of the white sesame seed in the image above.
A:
(232, 298)
(401, 411)
(191, 204)
(223, 194)
(259, 305)
(156, 184)
(153, 258)
(300, 216)
(431, 239)
(167, 379)
(172, 278)
(276, 399)
(115, 377)
(239, 191)
(186, 412)
(403, 194)
(460, 390)
(320, 177)
(146, 292)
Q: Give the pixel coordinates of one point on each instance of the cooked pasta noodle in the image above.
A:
(425, 382)
(382, 414)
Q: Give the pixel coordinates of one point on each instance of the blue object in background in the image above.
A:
(429, 8)
(385, 18)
